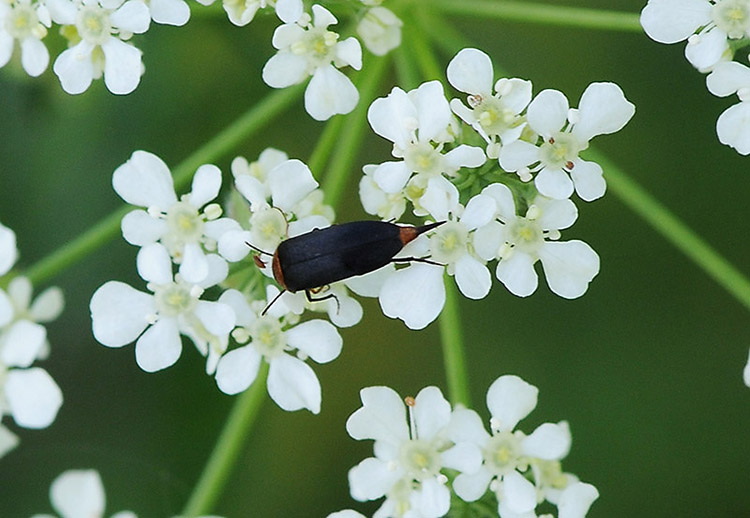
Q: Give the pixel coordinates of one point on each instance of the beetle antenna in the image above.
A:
(258, 249)
(428, 227)
(265, 310)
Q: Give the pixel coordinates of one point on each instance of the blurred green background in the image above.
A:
(646, 367)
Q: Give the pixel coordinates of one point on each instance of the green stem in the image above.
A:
(349, 144)
(228, 448)
(579, 17)
(251, 121)
(454, 357)
(673, 230)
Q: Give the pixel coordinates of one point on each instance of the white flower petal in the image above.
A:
(48, 305)
(479, 211)
(206, 185)
(237, 370)
(603, 110)
(119, 313)
(554, 183)
(122, 66)
(132, 16)
(170, 12)
(144, 180)
(154, 264)
(440, 198)
(78, 493)
(549, 441)
(322, 17)
(34, 56)
(22, 343)
(473, 277)
(588, 179)
(290, 182)
(431, 412)
(284, 69)
(555, 214)
(569, 267)
(576, 499)
(728, 77)
(517, 274)
(519, 494)
(470, 71)
(391, 177)
(74, 68)
(710, 48)
(346, 513)
(6, 308)
(217, 318)
(433, 111)
(233, 245)
(349, 52)
(33, 397)
(506, 206)
(465, 156)
(140, 228)
(159, 347)
(471, 487)
(393, 117)
(746, 372)
(733, 127)
(194, 267)
(8, 441)
(371, 479)
(464, 457)
(432, 498)
(467, 426)
(289, 11)
(317, 338)
(8, 250)
(382, 416)
(548, 112)
(518, 154)
(329, 93)
(415, 294)
(292, 384)
(510, 399)
(670, 21)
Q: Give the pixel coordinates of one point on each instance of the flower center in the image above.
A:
(493, 116)
(267, 228)
(448, 243)
(21, 22)
(525, 234)
(185, 223)
(732, 17)
(267, 337)
(419, 458)
(318, 45)
(502, 453)
(560, 150)
(174, 299)
(423, 158)
(93, 24)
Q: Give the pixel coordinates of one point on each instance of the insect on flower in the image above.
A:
(320, 257)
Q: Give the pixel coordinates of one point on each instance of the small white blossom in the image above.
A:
(707, 25)
(733, 126)
(564, 133)
(520, 241)
(495, 116)
(24, 21)
(409, 455)
(292, 384)
(419, 125)
(99, 46)
(121, 314)
(188, 227)
(307, 48)
(375, 201)
(242, 12)
(8, 250)
(380, 30)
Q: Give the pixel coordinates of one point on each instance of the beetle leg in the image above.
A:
(265, 310)
(415, 260)
(333, 296)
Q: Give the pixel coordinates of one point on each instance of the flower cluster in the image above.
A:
(456, 171)
(79, 492)
(422, 457)
(714, 30)
(99, 33)
(27, 393)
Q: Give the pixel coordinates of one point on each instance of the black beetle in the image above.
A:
(322, 256)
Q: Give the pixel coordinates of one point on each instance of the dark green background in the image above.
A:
(646, 366)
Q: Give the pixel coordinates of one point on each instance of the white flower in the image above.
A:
(292, 384)
(707, 25)
(242, 12)
(274, 197)
(508, 454)
(121, 314)
(418, 124)
(8, 440)
(733, 126)
(307, 48)
(145, 181)
(32, 396)
(27, 22)
(495, 116)
(102, 26)
(380, 30)
(520, 241)
(564, 133)
(409, 457)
